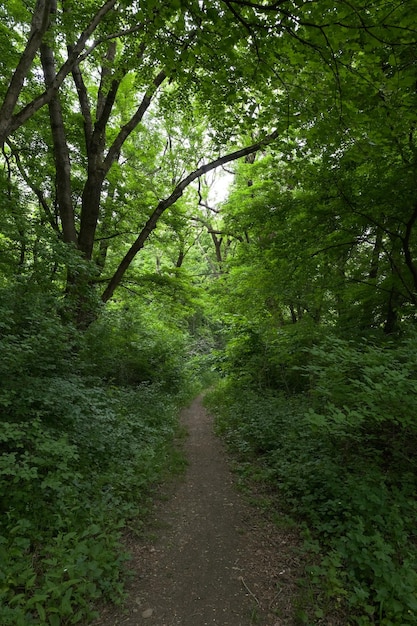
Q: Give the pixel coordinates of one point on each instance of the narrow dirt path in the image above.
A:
(215, 560)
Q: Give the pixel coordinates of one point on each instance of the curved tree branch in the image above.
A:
(9, 122)
(168, 202)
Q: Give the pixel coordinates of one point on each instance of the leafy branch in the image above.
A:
(168, 202)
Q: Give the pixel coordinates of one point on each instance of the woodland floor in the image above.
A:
(212, 557)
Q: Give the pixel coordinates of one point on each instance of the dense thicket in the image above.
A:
(124, 281)
(86, 433)
(318, 293)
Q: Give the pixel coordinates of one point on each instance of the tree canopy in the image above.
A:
(111, 111)
(126, 282)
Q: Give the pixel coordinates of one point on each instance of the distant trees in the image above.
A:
(327, 223)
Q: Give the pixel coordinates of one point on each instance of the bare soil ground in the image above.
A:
(214, 558)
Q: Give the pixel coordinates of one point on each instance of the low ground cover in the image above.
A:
(340, 455)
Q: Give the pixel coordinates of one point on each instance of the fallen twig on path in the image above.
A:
(249, 591)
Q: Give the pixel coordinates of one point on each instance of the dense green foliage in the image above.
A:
(318, 298)
(341, 456)
(124, 282)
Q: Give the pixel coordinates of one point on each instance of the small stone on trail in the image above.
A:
(147, 613)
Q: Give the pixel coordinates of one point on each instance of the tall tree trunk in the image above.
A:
(376, 252)
(391, 319)
(406, 241)
(61, 152)
(180, 257)
(103, 246)
(90, 210)
(395, 298)
(218, 247)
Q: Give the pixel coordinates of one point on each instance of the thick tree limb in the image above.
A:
(40, 23)
(167, 202)
(128, 128)
(102, 96)
(84, 103)
(99, 167)
(61, 151)
(9, 122)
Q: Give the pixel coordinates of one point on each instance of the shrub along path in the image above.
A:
(215, 558)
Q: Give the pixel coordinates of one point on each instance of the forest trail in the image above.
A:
(216, 559)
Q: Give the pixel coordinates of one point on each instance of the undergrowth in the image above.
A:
(65, 498)
(341, 457)
(80, 455)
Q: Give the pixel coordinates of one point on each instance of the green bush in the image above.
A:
(63, 498)
(266, 358)
(54, 581)
(127, 347)
(373, 384)
(342, 457)
(79, 456)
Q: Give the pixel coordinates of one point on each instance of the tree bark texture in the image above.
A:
(61, 152)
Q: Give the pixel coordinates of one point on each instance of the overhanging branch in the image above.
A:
(11, 123)
(168, 202)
